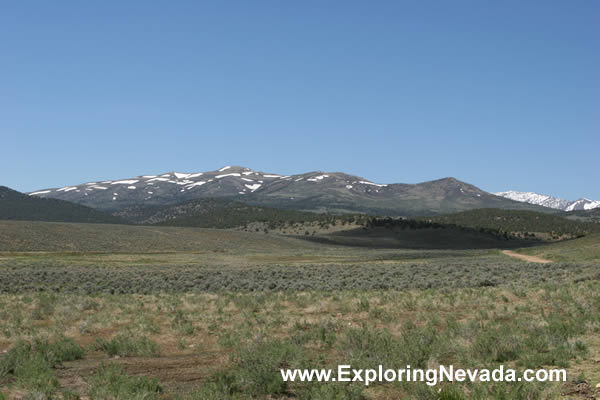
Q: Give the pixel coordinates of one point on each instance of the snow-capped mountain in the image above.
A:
(583, 204)
(314, 191)
(549, 201)
(535, 198)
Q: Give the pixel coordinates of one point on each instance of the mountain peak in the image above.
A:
(232, 168)
(549, 201)
(449, 180)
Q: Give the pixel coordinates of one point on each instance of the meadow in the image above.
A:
(208, 314)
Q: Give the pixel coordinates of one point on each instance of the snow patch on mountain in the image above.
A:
(371, 183)
(67, 189)
(158, 179)
(224, 175)
(317, 178)
(199, 183)
(549, 201)
(181, 175)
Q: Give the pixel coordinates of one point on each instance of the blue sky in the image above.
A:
(503, 95)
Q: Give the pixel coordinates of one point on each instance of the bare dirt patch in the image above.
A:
(533, 259)
(178, 373)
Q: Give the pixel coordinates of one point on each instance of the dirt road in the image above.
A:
(533, 259)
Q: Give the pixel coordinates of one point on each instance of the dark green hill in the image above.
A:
(18, 206)
(526, 224)
(592, 215)
(222, 213)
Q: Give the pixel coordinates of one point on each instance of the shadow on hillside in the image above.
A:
(427, 238)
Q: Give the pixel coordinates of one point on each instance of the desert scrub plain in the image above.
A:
(214, 315)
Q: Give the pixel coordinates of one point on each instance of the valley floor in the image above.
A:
(215, 314)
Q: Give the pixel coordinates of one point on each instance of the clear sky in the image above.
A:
(503, 95)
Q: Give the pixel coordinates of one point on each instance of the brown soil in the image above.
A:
(533, 259)
(175, 373)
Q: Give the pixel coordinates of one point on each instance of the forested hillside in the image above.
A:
(221, 213)
(519, 223)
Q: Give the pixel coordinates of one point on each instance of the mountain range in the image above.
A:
(549, 201)
(334, 192)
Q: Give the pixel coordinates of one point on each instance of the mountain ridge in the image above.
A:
(316, 191)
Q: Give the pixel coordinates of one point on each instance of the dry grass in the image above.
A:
(197, 334)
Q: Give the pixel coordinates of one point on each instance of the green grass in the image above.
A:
(17, 236)
(30, 364)
(50, 353)
(586, 249)
(111, 382)
(127, 345)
